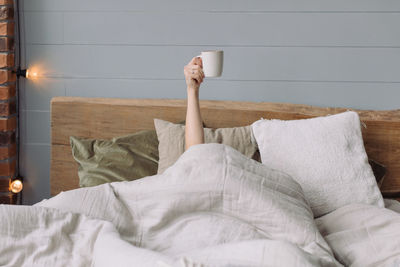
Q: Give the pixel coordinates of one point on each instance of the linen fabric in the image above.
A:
(124, 158)
(213, 207)
(362, 235)
(325, 155)
(171, 139)
(392, 204)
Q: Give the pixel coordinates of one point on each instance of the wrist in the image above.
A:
(193, 91)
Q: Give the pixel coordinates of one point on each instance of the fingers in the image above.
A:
(198, 77)
(194, 71)
(196, 61)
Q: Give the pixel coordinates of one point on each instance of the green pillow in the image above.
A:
(124, 158)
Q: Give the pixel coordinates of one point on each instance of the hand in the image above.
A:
(194, 74)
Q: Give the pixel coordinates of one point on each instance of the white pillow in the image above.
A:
(325, 155)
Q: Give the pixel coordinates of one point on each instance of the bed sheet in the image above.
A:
(213, 207)
(392, 204)
(363, 235)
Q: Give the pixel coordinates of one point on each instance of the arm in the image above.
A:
(194, 132)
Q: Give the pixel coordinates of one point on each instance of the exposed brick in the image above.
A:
(7, 108)
(7, 76)
(8, 151)
(6, 44)
(5, 184)
(8, 124)
(3, 76)
(6, 12)
(8, 198)
(7, 168)
(6, 60)
(7, 28)
(7, 91)
(7, 138)
(6, 2)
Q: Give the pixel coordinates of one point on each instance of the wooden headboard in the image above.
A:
(110, 117)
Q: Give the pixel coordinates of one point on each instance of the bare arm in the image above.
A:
(194, 132)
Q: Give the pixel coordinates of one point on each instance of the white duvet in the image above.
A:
(213, 207)
(362, 235)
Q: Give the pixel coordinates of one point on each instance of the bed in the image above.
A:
(213, 206)
(106, 118)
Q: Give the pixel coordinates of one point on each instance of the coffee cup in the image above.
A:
(213, 61)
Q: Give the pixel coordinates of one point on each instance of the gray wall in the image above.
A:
(326, 53)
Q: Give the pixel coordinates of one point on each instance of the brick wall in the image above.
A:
(8, 119)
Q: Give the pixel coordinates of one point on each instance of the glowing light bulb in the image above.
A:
(16, 186)
(30, 74)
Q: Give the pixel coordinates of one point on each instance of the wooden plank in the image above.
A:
(240, 63)
(63, 163)
(222, 29)
(107, 117)
(212, 6)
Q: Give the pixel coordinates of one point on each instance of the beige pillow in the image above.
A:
(171, 138)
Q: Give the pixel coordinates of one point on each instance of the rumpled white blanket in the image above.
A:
(364, 236)
(213, 207)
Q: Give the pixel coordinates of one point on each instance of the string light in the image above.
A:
(27, 73)
(16, 186)
(31, 74)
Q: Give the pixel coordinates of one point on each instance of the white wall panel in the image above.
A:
(258, 29)
(220, 29)
(325, 53)
(35, 127)
(43, 27)
(36, 94)
(342, 94)
(212, 5)
(240, 63)
(35, 165)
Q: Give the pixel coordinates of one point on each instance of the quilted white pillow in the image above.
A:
(325, 155)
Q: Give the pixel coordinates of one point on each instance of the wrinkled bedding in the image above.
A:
(213, 207)
(362, 235)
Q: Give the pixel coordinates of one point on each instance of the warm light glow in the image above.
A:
(31, 74)
(16, 186)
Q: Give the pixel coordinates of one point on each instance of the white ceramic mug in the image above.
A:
(213, 62)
